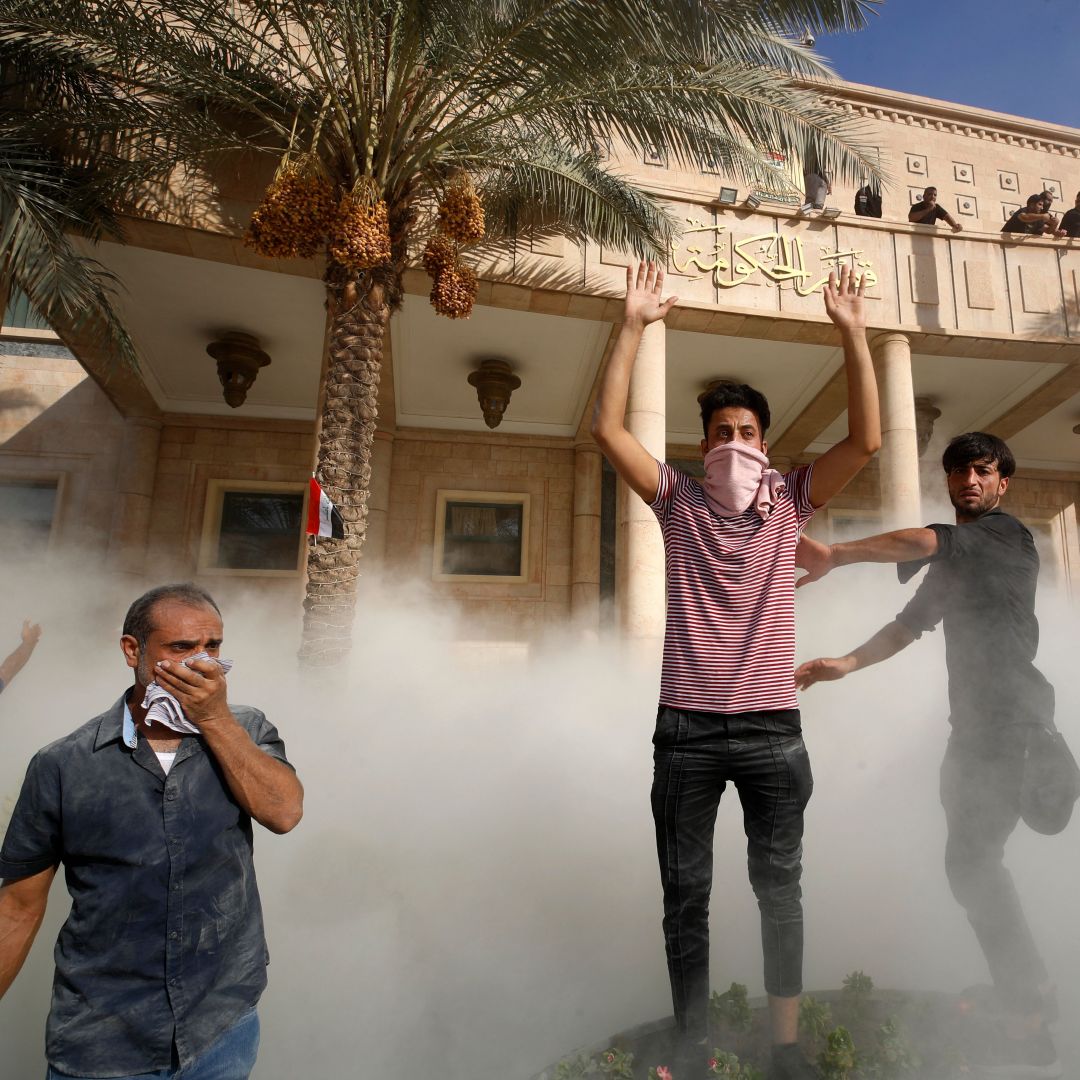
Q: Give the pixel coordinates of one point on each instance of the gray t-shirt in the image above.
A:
(981, 587)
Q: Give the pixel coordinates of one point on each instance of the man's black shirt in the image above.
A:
(1015, 225)
(981, 586)
(921, 207)
(1070, 222)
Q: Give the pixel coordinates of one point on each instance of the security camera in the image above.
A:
(808, 40)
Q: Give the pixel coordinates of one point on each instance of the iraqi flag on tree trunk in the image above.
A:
(323, 518)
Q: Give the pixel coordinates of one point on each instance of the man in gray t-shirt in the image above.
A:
(981, 587)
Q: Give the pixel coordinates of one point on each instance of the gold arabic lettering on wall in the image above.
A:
(778, 258)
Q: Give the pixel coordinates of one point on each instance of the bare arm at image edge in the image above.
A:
(22, 908)
(31, 634)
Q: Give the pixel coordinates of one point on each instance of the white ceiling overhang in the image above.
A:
(175, 305)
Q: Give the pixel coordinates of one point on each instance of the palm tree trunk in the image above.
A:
(359, 323)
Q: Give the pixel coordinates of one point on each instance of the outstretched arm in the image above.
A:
(628, 457)
(903, 545)
(832, 471)
(888, 641)
(22, 907)
(31, 634)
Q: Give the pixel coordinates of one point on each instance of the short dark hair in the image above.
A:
(978, 446)
(1034, 198)
(138, 622)
(724, 395)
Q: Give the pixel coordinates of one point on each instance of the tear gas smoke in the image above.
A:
(473, 891)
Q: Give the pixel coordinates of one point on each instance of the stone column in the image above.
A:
(899, 456)
(585, 571)
(640, 583)
(382, 456)
(135, 476)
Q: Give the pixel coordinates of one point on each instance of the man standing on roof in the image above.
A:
(1033, 219)
(728, 710)
(928, 212)
(1070, 221)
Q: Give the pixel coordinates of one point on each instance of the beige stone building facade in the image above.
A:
(521, 530)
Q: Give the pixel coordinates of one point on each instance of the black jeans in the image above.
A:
(695, 755)
(980, 791)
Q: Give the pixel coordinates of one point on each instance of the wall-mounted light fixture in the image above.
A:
(239, 359)
(713, 383)
(495, 381)
(751, 202)
(926, 412)
(728, 196)
(831, 212)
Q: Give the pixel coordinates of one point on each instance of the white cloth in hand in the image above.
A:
(161, 706)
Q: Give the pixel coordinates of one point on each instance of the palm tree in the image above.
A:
(396, 107)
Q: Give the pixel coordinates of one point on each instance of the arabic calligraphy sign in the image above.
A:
(704, 250)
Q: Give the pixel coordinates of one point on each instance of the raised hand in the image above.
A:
(643, 289)
(31, 632)
(824, 669)
(844, 299)
(199, 687)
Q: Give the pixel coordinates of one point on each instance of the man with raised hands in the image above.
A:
(728, 710)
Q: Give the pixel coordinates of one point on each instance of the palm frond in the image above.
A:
(39, 204)
(552, 189)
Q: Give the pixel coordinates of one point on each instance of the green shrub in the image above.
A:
(893, 1057)
(616, 1064)
(731, 1009)
(815, 1018)
(725, 1064)
(858, 988)
(838, 1060)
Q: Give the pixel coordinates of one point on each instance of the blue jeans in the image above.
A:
(696, 755)
(231, 1057)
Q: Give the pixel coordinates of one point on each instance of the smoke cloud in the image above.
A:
(473, 891)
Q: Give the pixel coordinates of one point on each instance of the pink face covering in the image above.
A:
(737, 477)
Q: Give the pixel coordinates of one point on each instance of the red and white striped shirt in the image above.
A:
(730, 640)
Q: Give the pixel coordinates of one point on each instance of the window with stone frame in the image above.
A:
(27, 514)
(253, 528)
(481, 535)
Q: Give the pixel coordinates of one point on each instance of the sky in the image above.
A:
(1012, 56)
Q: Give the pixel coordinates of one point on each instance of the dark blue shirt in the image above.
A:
(165, 938)
(981, 585)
